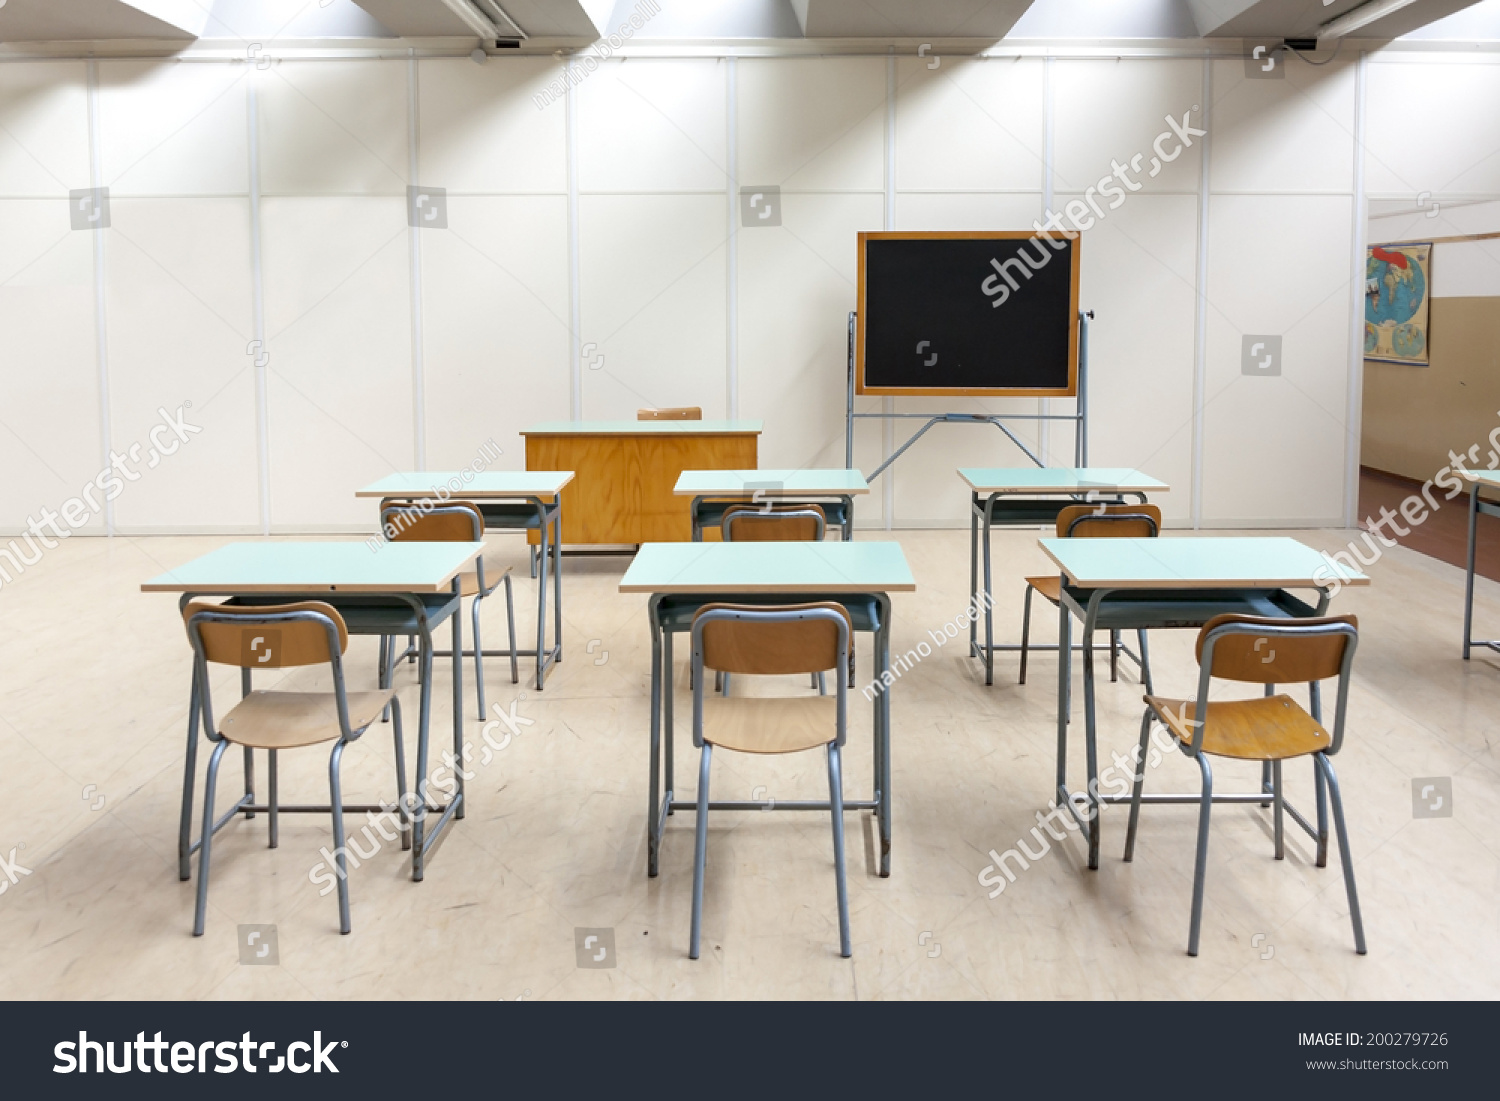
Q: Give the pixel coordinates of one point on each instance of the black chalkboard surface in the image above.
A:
(967, 313)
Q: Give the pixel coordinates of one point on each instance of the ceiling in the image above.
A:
(579, 22)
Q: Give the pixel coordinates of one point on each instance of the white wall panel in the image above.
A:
(1433, 127)
(1274, 447)
(172, 128)
(49, 420)
(1294, 134)
(653, 295)
(797, 285)
(481, 132)
(653, 126)
(1139, 279)
(812, 124)
(1113, 112)
(495, 326)
(44, 128)
(333, 128)
(969, 125)
(338, 323)
(178, 283)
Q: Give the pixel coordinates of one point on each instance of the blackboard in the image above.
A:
(966, 313)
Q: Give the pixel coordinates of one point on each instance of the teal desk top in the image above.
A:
(487, 484)
(1059, 479)
(790, 568)
(305, 566)
(771, 483)
(1483, 477)
(644, 428)
(1228, 562)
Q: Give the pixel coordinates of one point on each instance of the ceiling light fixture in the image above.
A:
(1361, 16)
(485, 18)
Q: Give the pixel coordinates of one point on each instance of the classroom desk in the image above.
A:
(400, 589)
(681, 578)
(1477, 479)
(626, 471)
(509, 500)
(834, 490)
(1127, 584)
(1027, 496)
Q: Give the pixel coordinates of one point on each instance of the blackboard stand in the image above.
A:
(1079, 416)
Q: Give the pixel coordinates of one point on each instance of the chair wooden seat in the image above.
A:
(286, 720)
(1267, 728)
(494, 570)
(770, 725)
(1049, 587)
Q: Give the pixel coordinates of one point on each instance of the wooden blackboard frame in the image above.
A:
(1071, 390)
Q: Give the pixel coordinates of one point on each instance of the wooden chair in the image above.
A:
(771, 640)
(748, 523)
(1128, 521)
(283, 636)
(680, 413)
(1269, 729)
(450, 522)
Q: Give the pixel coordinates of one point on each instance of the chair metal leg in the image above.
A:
(1279, 804)
(401, 800)
(383, 672)
(725, 686)
(1114, 656)
(836, 805)
(274, 816)
(1345, 856)
(1200, 864)
(200, 912)
(340, 854)
(510, 619)
(532, 549)
(249, 771)
(700, 850)
(1322, 798)
(1140, 637)
(478, 657)
(819, 684)
(1026, 631)
(1140, 781)
(189, 775)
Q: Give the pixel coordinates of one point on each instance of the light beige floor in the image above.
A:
(93, 708)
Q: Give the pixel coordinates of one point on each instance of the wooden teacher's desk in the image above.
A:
(626, 471)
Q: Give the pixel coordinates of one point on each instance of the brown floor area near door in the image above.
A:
(1444, 534)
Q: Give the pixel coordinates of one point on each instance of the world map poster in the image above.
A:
(1398, 294)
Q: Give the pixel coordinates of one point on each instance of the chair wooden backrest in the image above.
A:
(680, 413)
(271, 636)
(754, 643)
(448, 522)
(747, 523)
(1127, 521)
(1266, 650)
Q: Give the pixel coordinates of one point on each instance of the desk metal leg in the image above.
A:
(668, 720)
(557, 582)
(653, 807)
(424, 729)
(1092, 764)
(544, 559)
(848, 532)
(458, 708)
(883, 733)
(1469, 575)
(189, 776)
(989, 611)
(973, 573)
(1064, 674)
